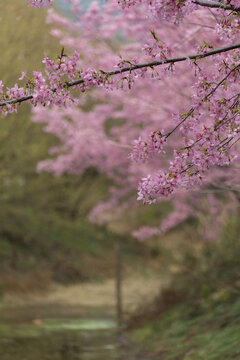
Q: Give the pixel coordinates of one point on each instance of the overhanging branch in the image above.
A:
(135, 67)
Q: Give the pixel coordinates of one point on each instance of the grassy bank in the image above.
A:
(183, 333)
(198, 316)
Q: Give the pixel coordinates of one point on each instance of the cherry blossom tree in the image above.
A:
(155, 106)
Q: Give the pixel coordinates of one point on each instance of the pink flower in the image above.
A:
(23, 75)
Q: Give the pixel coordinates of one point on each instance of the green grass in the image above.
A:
(179, 334)
(198, 316)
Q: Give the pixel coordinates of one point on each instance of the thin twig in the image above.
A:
(190, 112)
(234, 143)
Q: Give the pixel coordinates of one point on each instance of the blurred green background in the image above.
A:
(42, 217)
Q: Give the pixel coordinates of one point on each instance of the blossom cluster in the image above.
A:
(46, 89)
(143, 150)
(211, 142)
(156, 48)
(173, 10)
(52, 86)
(40, 3)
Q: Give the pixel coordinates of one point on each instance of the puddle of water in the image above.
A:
(42, 333)
(62, 339)
(58, 339)
(82, 324)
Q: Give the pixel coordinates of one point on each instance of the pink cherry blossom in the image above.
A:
(163, 72)
(40, 3)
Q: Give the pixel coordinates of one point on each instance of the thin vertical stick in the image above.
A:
(119, 311)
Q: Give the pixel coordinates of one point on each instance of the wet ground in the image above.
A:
(74, 322)
(64, 339)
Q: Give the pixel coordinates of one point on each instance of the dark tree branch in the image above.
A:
(131, 68)
(216, 5)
